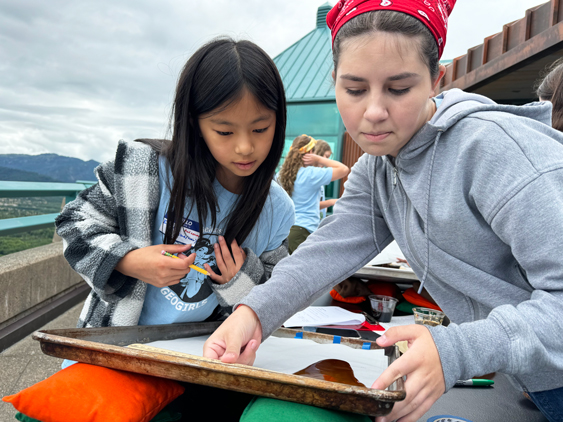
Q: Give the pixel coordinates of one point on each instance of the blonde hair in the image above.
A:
(293, 162)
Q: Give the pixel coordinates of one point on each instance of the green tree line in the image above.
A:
(23, 207)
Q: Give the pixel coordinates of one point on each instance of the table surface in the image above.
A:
(501, 403)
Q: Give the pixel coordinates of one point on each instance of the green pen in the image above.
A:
(474, 383)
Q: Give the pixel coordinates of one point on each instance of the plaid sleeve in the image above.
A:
(110, 219)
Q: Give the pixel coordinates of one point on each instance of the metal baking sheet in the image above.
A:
(107, 347)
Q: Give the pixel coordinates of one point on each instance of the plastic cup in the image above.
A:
(427, 316)
(383, 307)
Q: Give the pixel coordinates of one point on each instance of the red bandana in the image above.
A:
(433, 13)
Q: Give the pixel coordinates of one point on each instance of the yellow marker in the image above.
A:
(193, 267)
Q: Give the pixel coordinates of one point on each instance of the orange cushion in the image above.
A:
(89, 393)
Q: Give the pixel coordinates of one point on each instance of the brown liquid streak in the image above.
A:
(334, 370)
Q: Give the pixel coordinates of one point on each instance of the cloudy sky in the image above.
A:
(77, 76)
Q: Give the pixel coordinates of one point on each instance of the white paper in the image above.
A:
(388, 255)
(324, 315)
(288, 355)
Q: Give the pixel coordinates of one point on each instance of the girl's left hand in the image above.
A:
(310, 159)
(421, 364)
(228, 264)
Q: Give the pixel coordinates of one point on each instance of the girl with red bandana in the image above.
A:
(471, 192)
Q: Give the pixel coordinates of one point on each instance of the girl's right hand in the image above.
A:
(237, 338)
(149, 265)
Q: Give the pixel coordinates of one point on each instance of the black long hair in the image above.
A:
(214, 77)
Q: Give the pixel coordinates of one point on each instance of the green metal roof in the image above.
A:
(306, 66)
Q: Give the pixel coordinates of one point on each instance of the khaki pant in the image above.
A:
(297, 236)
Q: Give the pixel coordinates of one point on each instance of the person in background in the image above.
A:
(323, 149)
(302, 179)
(550, 88)
(471, 191)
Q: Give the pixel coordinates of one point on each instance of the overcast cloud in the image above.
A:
(77, 76)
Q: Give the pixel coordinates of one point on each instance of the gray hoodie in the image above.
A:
(475, 202)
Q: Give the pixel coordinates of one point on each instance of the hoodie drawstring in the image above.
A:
(427, 264)
(395, 171)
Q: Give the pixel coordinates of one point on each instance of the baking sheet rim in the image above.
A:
(198, 362)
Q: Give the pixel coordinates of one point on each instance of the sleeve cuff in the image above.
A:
(471, 349)
(250, 275)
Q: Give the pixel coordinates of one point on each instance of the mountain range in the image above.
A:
(45, 168)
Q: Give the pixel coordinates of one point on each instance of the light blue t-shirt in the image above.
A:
(438, 100)
(193, 298)
(322, 199)
(307, 195)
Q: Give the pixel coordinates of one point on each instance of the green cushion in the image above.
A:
(167, 416)
(405, 307)
(24, 418)
(263, 409)
(164, 416)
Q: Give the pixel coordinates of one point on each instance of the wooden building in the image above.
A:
(506, 66)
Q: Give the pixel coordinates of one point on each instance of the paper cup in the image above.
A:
(383, 307)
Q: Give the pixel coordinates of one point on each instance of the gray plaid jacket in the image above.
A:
(115, 216)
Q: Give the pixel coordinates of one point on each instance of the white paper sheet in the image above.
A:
(314, 316)
(287, 355)
(388, 255)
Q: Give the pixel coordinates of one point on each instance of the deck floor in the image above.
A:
(24, 364)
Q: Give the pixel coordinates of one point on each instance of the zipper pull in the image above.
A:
(395, 176)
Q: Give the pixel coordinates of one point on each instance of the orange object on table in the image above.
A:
(413, 297)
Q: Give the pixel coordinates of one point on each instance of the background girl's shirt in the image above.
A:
(323, 198)
(193, 299)
(307, 195)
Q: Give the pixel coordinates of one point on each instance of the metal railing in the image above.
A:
(34, 189)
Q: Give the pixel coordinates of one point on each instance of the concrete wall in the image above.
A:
(33, 278)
